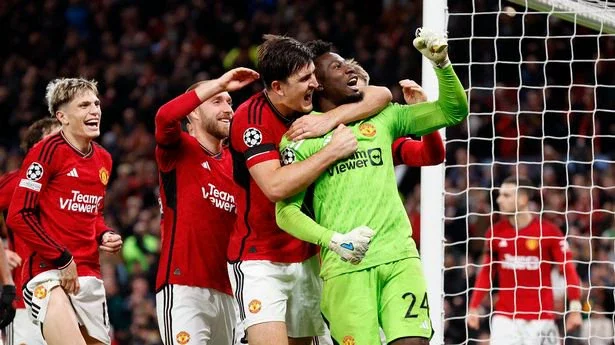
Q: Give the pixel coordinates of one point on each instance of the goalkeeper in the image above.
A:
(383, 286)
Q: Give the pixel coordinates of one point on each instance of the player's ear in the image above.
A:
(276, 86)
(61, 116)
(522, 198)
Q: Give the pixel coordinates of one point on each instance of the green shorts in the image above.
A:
(392, 296)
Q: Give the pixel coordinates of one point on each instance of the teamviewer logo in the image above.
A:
(375, 156)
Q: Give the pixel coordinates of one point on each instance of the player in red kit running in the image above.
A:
(522, 250)
(22, 330)
(274, 275)
(57, 210)
(194, 300)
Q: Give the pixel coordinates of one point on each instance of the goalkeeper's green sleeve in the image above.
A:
(290, 219)
(450, 108)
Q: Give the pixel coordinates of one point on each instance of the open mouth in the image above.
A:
(352, 83)
(92, 124)
(308, 97)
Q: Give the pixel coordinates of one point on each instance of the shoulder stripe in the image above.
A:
(260, 112)
(253, 111)
(48, 147)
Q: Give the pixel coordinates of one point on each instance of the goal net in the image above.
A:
(541, 82)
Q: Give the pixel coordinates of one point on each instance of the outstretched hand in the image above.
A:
(413, 92)
(237, 78)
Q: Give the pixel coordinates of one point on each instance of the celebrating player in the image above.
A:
(415, 153)
(522, 250)
(274, 275)
(22, 330)
(383, 286)
(57, 211)
(194, 300)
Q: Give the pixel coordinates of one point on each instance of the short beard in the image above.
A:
(354, 98)
(215, 130)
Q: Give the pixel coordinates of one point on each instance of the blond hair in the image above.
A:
(361, 72)
(63, 90)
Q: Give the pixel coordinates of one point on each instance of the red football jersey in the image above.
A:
(197, 193)
(417, 153)
(256, 131)
(57, 206)
(523, 262)
(8, 183)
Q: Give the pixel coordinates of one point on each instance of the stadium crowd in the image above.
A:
(143, 53)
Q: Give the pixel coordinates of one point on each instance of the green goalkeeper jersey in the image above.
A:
(362, 189)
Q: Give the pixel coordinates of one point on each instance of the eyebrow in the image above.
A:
(305, 76)
(334, 62)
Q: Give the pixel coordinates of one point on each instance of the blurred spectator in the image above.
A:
(143, 52)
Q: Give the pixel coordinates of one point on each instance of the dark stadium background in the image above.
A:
(143, 53)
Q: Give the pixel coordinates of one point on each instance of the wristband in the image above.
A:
(575, 306)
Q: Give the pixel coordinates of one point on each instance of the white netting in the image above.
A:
(542, 105)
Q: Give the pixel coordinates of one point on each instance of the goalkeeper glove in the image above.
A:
(353, 245)
(433, 46)
(7, 312)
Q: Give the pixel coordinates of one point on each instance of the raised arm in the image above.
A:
(169, 116)
(375, 98)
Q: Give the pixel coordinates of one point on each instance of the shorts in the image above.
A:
(188, 314)
(286, 292)
(507, 331)
(22, 330)
(392, 296)
(89, 304)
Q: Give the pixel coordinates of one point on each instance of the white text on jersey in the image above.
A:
(84, 203)
(220, 199)
(520, 262)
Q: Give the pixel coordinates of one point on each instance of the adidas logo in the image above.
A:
(424, 325)
(73, 173)
(206, 165)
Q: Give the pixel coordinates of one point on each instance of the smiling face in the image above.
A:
(81, 115)
(338, 80)
(298, 89)
(214, 115)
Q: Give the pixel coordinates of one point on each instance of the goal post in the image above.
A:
(432, 191)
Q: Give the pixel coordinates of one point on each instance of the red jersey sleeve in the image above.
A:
(168, 127)
(8, 183)
(428, 151)
(484, 276)
(36, 170)
(560, 250)
(251, 137)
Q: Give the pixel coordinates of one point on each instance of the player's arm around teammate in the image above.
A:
(57, 211)
(312, 126)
